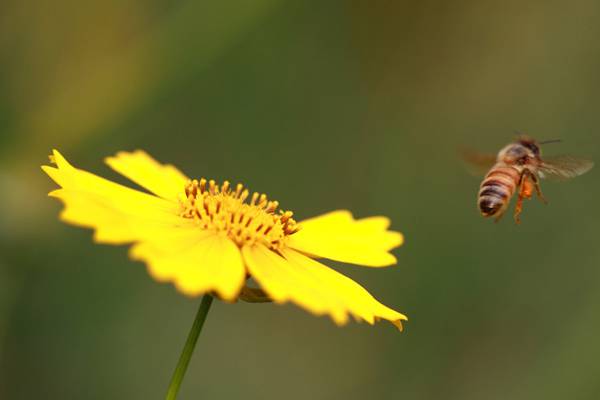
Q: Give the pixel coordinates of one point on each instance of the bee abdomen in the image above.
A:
(497, 189)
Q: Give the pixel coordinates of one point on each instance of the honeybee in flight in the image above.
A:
(518, 168)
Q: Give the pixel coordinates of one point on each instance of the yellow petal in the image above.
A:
(197, 263)
(117, 213)
(338, 236)
(165, 181)
(313, 286)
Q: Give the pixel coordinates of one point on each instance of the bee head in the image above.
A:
(518, 153)
(530, 144)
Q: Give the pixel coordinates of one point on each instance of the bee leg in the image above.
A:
(538, 190)
(518, 209)
(499, 217)
(521, 195)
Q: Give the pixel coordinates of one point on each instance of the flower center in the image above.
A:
(223, 209)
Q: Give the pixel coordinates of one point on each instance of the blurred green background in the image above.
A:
(322, 105)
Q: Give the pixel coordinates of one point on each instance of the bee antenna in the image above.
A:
(521, 135)
(551, 141)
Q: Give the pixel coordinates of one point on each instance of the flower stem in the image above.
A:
(188, 349)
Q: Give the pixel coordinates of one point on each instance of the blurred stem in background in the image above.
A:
(188, 349)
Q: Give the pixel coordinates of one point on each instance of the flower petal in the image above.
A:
(174, 248)
(117, 213)
(197, 263)
(338, 236)
(314, 286)
(165, 181)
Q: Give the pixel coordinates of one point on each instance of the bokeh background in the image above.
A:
(322, 105)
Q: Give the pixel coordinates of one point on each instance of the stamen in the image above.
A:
(238, 190)
(225, 187)
(222, 209)
(212, 187)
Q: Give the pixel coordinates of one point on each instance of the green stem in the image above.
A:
(188, 349)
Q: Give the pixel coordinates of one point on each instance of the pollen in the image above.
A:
(245, 219)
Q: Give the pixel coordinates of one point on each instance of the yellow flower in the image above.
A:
(205, 237)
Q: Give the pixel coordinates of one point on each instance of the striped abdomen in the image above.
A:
(497, 188)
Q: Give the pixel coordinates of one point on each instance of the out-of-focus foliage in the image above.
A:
(322, 105)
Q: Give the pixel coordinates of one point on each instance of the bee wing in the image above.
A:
(564, 167)
(478, 163)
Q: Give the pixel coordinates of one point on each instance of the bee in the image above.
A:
(517, 169)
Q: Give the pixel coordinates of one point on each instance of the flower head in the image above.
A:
(209, 237)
